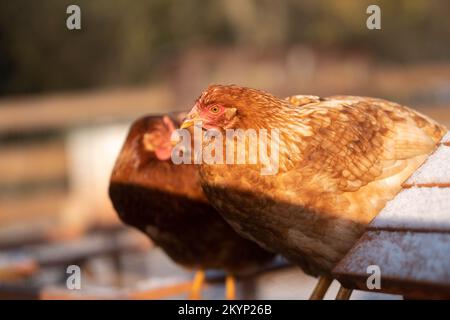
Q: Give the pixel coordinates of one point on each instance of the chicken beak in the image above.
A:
(190, 120)
(187, 123)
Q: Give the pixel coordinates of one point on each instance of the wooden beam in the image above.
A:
(62, 111)
(30, 163)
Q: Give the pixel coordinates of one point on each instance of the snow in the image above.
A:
(416, 208)
(422, 257)
(435, 171)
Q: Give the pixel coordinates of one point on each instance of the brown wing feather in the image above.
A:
(361, 140)
(359, 153)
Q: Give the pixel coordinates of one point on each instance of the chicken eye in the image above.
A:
(214, 109)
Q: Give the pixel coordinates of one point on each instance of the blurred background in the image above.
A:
(67, 98)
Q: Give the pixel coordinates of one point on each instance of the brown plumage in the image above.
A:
(166, 202)
(340, 160)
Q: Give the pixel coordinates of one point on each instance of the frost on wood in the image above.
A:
(418, 209)
(419, 257)
(435, 171)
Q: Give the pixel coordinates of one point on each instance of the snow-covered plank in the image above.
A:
(410, 263)
(426, 209)
(434, 172)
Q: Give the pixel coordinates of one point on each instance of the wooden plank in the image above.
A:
(416, 209)
(17, 271)
(30, 163)
(66, 110)
(412, 264)
(31, 208)
(434, 172)
(91, 245)
(41, 230)
(410, 80)
(62, 111)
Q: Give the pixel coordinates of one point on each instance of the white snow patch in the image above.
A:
(402, 255)
(436, 170)
(416, 208)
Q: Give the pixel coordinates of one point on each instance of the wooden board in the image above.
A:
(411, 263)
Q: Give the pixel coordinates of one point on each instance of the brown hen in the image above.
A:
(166, 202)
(340, 160)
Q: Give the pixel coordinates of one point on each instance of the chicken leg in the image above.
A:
(197, 284)
(321, 288)
(344, 293)
(230, 287)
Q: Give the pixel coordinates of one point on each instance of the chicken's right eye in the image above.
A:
(214, 109)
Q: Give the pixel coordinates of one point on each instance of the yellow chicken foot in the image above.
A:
(321, 288)
(197, 284)
(230, 287)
